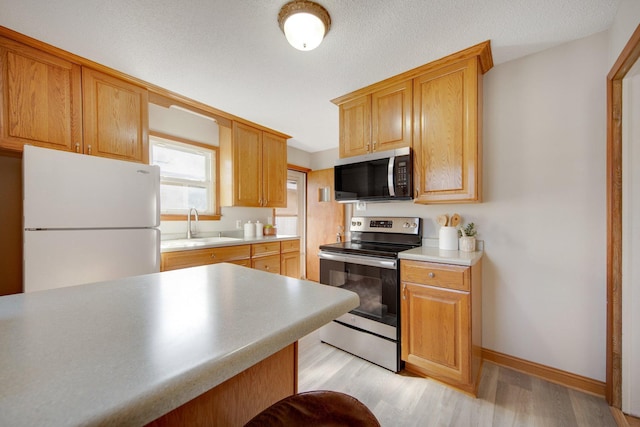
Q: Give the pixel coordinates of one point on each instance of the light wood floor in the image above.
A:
(506, 397)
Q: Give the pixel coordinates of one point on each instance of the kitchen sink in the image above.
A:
(202, 241)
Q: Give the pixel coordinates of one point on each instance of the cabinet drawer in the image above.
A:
(195, 257)
(432, 274)
(290, 246)
(264, 249)
(269, 263)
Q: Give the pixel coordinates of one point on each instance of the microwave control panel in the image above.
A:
(403, 179)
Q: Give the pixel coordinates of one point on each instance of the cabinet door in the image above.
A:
(247, 165)
(436, 331)
(391, 117)
(290, 264)
(446, 139)
(116, 118)
(274, 171)
(355, 127)
(41, 100)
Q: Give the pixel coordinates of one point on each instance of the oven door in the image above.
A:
(375, 280)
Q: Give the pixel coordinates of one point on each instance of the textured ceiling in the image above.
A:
(232, 55)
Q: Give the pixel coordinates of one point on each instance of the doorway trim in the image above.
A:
(623, 64)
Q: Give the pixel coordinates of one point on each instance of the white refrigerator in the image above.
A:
(87, 219)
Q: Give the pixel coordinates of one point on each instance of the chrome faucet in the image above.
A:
(191, 234)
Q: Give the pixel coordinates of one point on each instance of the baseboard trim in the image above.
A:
(621, 420)
(553, 375)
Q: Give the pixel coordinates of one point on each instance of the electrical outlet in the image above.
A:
(361, 206)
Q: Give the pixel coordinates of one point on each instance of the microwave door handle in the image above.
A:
(390, 176)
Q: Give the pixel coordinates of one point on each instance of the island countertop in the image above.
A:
(125, 352)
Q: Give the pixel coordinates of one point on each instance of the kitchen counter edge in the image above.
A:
(431, 254)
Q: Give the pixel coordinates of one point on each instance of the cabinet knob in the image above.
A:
(77, 147)
(213, 255)
(89, 149)
(431, 275)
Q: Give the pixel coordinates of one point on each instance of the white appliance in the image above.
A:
(87, 219)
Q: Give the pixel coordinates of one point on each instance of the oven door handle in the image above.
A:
(390, 264)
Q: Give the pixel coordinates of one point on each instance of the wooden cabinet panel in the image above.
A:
(269, 263)
(247, 163)
(41, 100)
(264, 249)
(391, 117)
(190, 258)
(253, 168)
(446, 138)
(440, 275)
(436, 331)
(116, 118)
(274, 171)
(290, 246)
(355, 127)
(290, 264)
(441, 321)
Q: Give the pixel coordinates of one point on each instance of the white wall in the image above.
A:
(626, 20)
(543, 217)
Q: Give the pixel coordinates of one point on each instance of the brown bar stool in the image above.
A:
(316, 408)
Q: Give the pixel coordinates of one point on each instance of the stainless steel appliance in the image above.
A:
(380, 176)
(368, 265)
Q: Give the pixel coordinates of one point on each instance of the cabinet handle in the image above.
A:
(213, 255)
(77, 147)
(404, 291)
(431, 275)
(89, 149)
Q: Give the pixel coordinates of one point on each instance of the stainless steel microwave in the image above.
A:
(381, 176)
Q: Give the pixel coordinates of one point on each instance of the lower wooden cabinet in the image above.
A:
(290, 258)
(279, 257)
(240, 255)
(441, 322)
(269, 263)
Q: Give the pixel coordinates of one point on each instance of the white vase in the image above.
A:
(467, 244)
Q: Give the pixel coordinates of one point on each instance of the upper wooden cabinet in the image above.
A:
(436, 109)
(376, 122)
(41, 100)
(355, 127)
(116, 117)
(51, 102)
(447, 143)
(253, 167)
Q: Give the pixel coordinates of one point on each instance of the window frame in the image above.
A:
(215, 176)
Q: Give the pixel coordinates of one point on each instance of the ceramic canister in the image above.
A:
(448, 239)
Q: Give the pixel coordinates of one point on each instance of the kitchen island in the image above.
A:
(127, 352)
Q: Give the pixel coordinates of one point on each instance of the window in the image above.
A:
(187, 175)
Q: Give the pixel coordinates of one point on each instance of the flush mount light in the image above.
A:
(304, 23)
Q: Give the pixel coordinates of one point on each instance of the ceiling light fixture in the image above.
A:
(304, 23)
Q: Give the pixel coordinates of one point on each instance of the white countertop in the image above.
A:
(210, 242)
(127, 351)
(433, 254)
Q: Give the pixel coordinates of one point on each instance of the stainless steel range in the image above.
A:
(369, 266)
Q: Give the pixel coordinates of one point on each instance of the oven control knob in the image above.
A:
(359, 223)
(406, 225)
